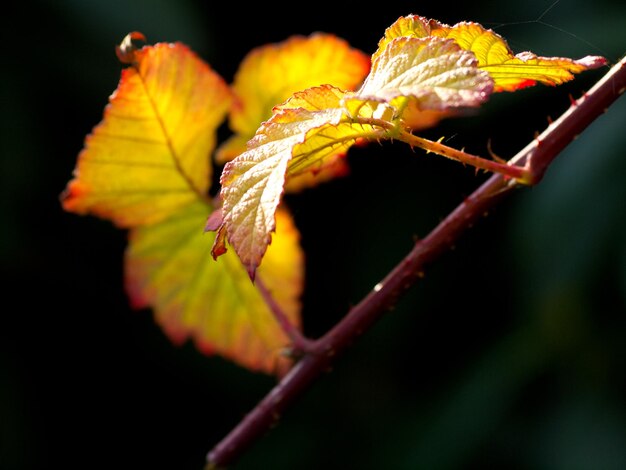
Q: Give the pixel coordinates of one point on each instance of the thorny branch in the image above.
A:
(536, 157)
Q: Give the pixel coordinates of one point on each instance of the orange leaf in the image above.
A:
(169, 268)
(149, 156)
(147, 167)
(270, 74)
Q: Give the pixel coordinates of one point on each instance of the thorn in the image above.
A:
(492, 153)
(572, 101)
(549, 120)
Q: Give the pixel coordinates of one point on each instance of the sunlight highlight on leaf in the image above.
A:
(436, 73)
(412, 26)
(147, 167)
(305, 131)
(150, 156)
(270, 74)
(509, 71)
(169, 268)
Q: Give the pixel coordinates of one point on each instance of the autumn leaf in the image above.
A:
(169, 267)
(509, 71)
(435, 73)
(271, 73)
(422, 72)
(149, 157)
(411, 26)
(302, 133)
(147, 167)
(322, 122)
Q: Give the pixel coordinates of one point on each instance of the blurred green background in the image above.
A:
(510, 353)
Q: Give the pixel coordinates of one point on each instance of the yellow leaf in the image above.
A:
(509, 71)
(412, 26)
(169, 267)
(147, 167)
(270, 74)
(302, 134)
(150, 156)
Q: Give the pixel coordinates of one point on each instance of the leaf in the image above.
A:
(149, 157)
(510, 72)
(302, 133)
(422, 71)
(412, 26)
(147, 167)
(270, 74)
(436, 73)
(168, 267)
(418, 115)
(318, 124)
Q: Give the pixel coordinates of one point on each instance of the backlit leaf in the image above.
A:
(412, 26)
(418, 115)
(169, 268)
(270, 74)
(303, 132)
(511, 72)
(422, 71)
(508, 70)
(436, 73)
(147, 166)
(150, 156)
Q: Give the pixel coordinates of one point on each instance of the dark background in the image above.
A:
(510, 353)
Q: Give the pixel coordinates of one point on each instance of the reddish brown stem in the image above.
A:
(512, 171)
(300, 344)
(537, 156)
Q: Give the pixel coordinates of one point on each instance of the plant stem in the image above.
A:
(536, 156)
(300, 344)
(518, 173)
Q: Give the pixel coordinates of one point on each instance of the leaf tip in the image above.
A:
(251, 269)
(68, 198)
(214, 221)
(219, 244)
(592, 61)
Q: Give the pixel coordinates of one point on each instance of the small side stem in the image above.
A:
(518, 173)
(300, 344)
